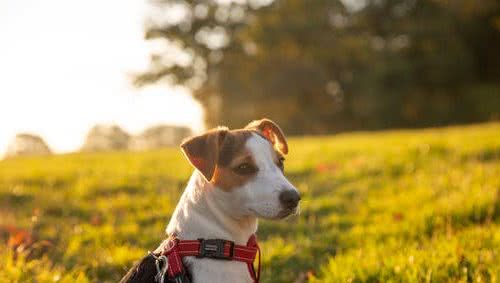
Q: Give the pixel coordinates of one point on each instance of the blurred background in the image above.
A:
(391, 110)
(66, 66)
(315, 67)
(327, 66)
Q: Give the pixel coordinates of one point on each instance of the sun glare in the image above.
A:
(65, 67)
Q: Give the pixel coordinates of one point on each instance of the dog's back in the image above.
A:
(144, 271)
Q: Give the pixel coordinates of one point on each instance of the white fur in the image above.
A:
(205, 211)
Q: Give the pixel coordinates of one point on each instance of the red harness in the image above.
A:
(220, 249)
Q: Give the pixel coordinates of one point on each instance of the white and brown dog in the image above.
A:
(238, 179)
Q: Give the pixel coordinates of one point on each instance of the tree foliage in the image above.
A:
(383, 63)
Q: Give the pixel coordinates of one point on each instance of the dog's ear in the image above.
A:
(272, 132)
(203, 151)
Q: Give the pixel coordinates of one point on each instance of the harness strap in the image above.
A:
(176, 249)
(252, 242)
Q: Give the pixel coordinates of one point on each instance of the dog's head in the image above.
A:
(245, 167)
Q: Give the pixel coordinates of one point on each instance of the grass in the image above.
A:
(398, 206)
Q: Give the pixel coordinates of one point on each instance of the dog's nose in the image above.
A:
(289, 198)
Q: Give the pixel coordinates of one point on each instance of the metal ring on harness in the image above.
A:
(161, 263)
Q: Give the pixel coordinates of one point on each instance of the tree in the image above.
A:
(321, 66)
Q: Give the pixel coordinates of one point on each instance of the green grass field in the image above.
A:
(397, 206)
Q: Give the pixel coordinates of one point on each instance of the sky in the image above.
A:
(65, 66)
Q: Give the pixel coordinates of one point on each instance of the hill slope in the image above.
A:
(400, 206)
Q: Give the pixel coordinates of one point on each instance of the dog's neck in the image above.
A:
(200, 214)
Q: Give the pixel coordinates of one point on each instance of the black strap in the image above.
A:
(143, 271)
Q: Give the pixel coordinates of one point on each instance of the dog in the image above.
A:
(238, 178)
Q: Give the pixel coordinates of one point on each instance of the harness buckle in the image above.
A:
(214, 248)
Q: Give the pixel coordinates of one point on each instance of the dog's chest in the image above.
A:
(222, 271)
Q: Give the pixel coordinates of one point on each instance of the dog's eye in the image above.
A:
(245, 169)
(281, 163)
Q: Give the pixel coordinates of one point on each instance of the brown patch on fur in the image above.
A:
(227, 180)
(233, 153)
(233, 146)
